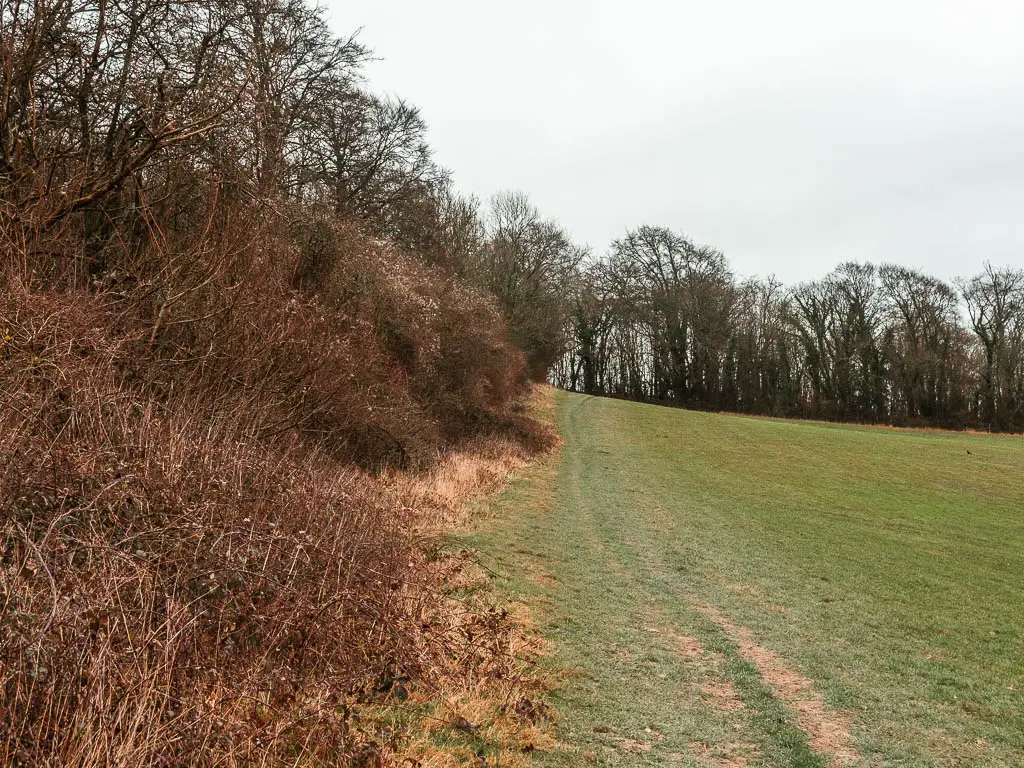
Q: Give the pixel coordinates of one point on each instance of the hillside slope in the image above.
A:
(741, 591)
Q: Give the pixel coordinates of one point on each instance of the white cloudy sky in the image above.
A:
(792, 134)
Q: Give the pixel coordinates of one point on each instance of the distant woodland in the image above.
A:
(663, 319)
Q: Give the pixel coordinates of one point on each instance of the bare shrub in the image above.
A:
(210, 345)
(174, 584)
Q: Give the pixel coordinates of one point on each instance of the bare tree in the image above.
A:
(687, 292)
(292, 64)
(526, 262)
(92, 95)
(920, 339)
(995, 303)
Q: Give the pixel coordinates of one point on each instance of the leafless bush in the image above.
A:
(217, 324)
(173, 582)
(192, 564)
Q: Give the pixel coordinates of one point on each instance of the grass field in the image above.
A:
(731, 591)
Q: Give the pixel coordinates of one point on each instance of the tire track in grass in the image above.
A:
(825, 731)
(616, 555)
(719, 693)
(770, 728)
(828, 730)
(649, 678)
(622, 537)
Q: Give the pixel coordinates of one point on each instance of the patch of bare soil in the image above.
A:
(722, 695)
(719, 692)
(543, 577)
(634, 746)
(631, 745)
(731, 755)
(828, 730)
(953, 751)
(687, 646)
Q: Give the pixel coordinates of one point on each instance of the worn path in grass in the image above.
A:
(731, 591)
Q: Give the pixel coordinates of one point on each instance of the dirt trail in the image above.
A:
(656, 675)
(725, 591)
(828, 730)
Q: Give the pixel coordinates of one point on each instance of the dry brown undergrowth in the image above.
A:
(193, 571)
(472, 671)
(481, 702)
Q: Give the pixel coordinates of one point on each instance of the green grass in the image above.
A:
(885, 566)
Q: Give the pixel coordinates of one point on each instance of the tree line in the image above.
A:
(663, 319)
(139, 137)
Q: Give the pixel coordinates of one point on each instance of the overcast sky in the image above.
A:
(793, 134)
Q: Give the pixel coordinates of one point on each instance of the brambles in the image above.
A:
(228, 301)
(182, 573)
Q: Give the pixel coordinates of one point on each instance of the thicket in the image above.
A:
(235, 285)
(663, 319)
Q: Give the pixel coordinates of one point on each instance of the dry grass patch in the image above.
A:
(481, 699)
(730, 755)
